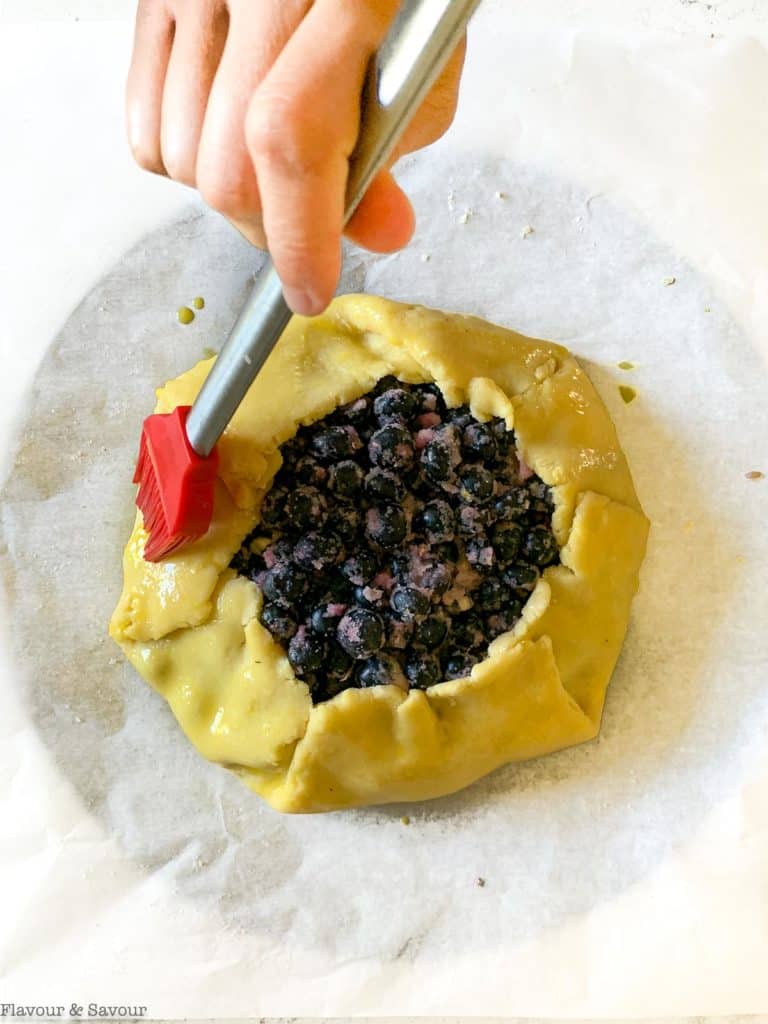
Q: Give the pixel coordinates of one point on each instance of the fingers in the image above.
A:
(301, 128)
(225, 173)
(384, 221)
(152, 44)
(198, 43)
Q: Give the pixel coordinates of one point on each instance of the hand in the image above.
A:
(256, 103)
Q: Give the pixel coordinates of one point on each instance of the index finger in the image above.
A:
(302, 127)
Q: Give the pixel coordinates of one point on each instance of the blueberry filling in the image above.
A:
(398, 539)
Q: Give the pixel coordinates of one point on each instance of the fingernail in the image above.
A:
(303, 302)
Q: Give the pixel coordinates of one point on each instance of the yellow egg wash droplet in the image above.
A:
(185, 315)
(624, 365)
(628, 394)
(198, 302)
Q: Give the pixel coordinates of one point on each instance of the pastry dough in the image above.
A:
(191, 626)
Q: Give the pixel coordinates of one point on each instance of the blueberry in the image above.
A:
(438, 522)
(284, 584)
(309, 471)
(356, 412)
(391, 447)
(305, 509)
(504, 438)
(360, 632)
(306, 651)
(434, 577)
(431, 632)
(458, 666)
(273, 506)
(467, 632)
(409, 604)
(382, 484)
(277, 621)
(331, 444)
(436, 460)
(491, 594)
(346, 519)
(400, 565)
(346, 478)
(360, 568)
(318, 551)
(506, 539)
(422, 670)
(385, 525)
(511, 505)
(540, 546)
(432, 399)
(338, 663)
(471, 521)
(460, 416)
(386, 383)
(501, 621)
(380, 670)
(478, 442)
(476, 484)
(394, 404)
(279, 551)
(325, 619)
(480, 553)
(521, 576)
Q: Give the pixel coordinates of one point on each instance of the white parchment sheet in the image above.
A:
(628, 877)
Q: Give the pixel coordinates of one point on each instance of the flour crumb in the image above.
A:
(500, 195)
(451, 200)
(527, 231)
(467, 215)
(425, 257)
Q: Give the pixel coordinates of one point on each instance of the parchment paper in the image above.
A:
(207, 903)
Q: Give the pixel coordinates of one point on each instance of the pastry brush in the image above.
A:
(178, 462)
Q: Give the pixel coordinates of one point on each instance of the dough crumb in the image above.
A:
(405, 820)
(451, 199)
(425, 257)
(499, 195)
(481, 883)
(247, 359)
(755, 474)
(466, 216)
(707, 309)
(527, 231)
(668, 281)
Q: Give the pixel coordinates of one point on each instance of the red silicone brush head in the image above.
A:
(176, 485)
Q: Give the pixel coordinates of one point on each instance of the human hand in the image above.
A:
(256, 103)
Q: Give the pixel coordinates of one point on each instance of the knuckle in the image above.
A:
(274, 137)
(223, 192)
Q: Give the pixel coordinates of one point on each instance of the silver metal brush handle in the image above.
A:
(414, 52)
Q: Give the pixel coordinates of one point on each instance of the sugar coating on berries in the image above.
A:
(398, 539)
